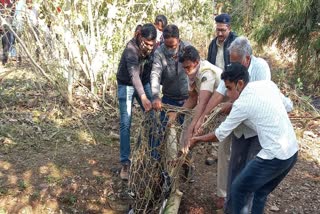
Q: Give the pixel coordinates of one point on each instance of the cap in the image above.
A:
(223, 18)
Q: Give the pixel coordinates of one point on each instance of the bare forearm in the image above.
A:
(190, 103)
(211, 137)
(198, 112)
(215, 100)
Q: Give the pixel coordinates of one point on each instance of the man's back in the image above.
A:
(263, 105)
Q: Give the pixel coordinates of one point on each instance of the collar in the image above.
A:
(220, 44)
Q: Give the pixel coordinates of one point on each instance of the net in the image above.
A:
(157, 162)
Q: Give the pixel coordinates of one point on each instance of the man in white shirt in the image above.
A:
(260, 106)
(240, 51)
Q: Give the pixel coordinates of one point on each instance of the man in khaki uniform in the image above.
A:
(203, 79)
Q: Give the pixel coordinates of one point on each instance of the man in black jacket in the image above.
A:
(218, 54)
(133, 79)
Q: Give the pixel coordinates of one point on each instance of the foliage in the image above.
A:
(88, 37)
(293, 24)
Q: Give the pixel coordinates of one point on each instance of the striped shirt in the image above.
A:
(258, 70)
(261, 107)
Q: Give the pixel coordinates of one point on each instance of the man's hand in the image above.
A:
(156, 104)
(226, 108)
(146, 103)
(193, 141)
(210, 137)
(197, 128)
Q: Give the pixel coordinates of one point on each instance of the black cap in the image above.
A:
(223, 18)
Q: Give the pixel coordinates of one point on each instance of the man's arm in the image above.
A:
(211, 137)
(286, 102)
(132, 61)
(204, 97)
(237, 115)
(215, 100)
(190, 103)
(156, 79)
(192, 100)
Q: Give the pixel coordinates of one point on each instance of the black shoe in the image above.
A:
(189, 173)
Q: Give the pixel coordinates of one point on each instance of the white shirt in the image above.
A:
(220, 55)
(261, 107)
(258, 70)
(159, 34)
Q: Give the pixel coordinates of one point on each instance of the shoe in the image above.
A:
(124, 173)
(189, 173)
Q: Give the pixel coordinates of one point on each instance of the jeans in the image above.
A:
(259, 177)
(163, 116)
(242, 151)
(126, 95)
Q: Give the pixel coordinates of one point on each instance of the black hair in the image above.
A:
(189, 53)
(138, 28)
(149, 31)
(235, 72)
(162, 19)
(171, 31)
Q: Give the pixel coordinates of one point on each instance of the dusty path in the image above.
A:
(49, 162)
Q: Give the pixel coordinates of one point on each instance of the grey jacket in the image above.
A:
(170, 74)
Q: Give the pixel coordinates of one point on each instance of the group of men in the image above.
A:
(256, 136)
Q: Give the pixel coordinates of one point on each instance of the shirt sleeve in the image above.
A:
(156, 74)
(286, 102)
(233, 120)
(134, 69)
(207, 81)
(222, 88)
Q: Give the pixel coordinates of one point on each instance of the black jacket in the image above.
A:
(134, 69)
(213, 49)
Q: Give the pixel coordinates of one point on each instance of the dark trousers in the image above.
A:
(242, 151)
(6, 46)
(259, 177)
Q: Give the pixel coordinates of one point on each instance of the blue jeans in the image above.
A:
(242, 151)
(126, 95)
(164, 120)
(259, 177)
(163, 116)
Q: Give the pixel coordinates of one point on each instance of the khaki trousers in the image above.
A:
(224, 149)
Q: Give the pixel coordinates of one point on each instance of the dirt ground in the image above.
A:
(53, 160)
